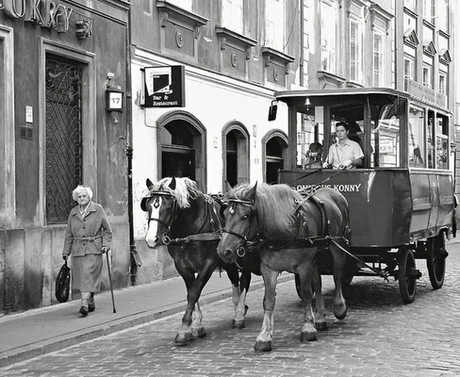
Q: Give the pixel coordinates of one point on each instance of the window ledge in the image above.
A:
(170, 12)
(270, 54)
(229, 37)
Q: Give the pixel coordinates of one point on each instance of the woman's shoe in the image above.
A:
(84, 311)
(91, 303)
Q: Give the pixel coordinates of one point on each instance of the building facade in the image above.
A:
(236, 54)
(110, 93)
(57, 61)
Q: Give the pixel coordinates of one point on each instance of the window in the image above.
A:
(417, 149)
(442, 142)
(184, 4)
(426, 76)
(274, 24)
(443, 15)
(64, 134)
(378, 59)
(232, 15)
(385, 141)
(442, 82)
(429, 10)
(356, 38)
(409, 69)
(410, 4)
(329, 22)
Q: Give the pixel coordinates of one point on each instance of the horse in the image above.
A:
(287, 229)
(189, 222)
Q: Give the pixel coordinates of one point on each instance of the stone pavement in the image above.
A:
(39, 331)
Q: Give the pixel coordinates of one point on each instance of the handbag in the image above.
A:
(63, 283)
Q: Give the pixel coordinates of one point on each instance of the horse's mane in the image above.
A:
(275, 206)
(185, 190)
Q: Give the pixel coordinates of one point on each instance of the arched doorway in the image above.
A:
(235, 154)
(182, 147)
(275, 155)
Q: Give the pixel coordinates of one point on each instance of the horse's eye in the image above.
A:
(245, 217)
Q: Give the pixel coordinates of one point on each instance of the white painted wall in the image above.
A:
(215, 101)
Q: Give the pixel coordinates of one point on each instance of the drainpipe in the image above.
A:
(134, 258)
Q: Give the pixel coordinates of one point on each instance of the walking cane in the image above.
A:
(110, 281)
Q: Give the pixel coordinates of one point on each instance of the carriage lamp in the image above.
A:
(114, 96)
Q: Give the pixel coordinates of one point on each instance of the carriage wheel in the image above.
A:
(407, 275)
(436, 260)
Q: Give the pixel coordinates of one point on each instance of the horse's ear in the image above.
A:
(172, 185)
(228, 187)
(252, 192)
(149, 184)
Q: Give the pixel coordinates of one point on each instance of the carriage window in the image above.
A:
(417, 148)
(442, 142)
(385, 139)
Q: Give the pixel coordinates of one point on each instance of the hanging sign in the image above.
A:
(164, 86)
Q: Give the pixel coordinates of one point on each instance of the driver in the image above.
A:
(345, 153)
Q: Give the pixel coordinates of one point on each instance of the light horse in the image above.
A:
(189, 222)
(287, 229)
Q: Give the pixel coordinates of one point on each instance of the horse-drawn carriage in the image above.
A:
(402, 201)
(378, 219)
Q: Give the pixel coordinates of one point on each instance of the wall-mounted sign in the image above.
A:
(164, 86)
(46, 13)
(114, 100)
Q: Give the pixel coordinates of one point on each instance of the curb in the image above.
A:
(50, 345)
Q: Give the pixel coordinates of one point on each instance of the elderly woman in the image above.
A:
(88, 236)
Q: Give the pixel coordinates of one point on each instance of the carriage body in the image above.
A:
(389, 207)
(402, 202)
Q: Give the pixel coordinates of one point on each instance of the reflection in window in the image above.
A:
(385, 138)
(417, 148)
(442, 142)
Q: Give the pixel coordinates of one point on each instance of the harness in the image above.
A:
(210, 214)
(322, 240)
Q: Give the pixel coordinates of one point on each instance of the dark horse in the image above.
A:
(287, 229)
(189, 223)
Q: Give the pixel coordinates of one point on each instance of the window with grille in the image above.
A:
(63, 155)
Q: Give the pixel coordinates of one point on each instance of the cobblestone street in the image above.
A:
(379, 337)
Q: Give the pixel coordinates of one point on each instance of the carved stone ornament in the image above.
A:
(84, 29)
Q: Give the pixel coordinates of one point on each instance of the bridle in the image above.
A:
(165, 238)
(242, 247)
(198, 236)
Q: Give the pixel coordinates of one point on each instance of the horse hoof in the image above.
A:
(321, 326)
(198, 332)
(340, 312)
(308, 336)
(182, 339)
(263, 346)
(237, 324)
